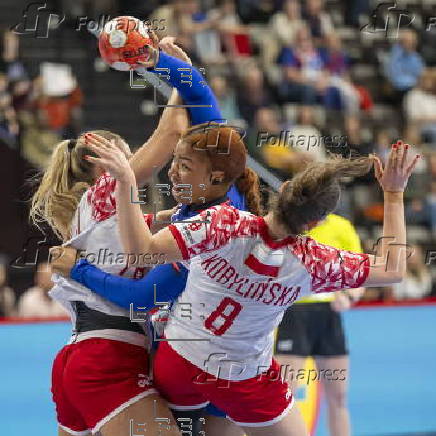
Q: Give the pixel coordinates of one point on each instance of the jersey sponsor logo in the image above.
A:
(144, 380)
(288, 394)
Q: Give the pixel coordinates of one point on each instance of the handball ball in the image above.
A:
(123, 42)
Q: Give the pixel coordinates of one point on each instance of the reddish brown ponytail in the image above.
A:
(249, 186)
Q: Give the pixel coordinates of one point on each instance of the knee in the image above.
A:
(337, 399)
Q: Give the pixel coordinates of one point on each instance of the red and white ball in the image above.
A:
(123, 42)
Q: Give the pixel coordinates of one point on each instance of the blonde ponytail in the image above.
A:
(65, 180)
(58, 194)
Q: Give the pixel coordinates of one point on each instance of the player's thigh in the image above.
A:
(291, 425)
(150, 415)
(333, 373)
(290, 366)
(216, 426)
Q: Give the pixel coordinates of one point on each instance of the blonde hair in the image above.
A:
(63, 183)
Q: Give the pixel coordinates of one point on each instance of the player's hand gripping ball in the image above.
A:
(126, 43)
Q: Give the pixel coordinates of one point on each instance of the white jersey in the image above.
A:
(239, 285)
(95, 233)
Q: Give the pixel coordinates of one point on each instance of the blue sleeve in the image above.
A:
(237, 200)
(192, 87)
(123, 291)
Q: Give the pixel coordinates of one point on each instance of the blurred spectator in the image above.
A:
(22, 95)
(417, 282)
(404, 65)
(286, 23)
(318, 20)
(279, 149)
(253, 92)
(337, 63)
(13, 66)
(356, 143)
(256, 11)
(227, 18)
(266, 123)
(234, 34)
(35, 302)
(355, 9)
(37, 140)
(418, 212)
(420, 107)
(305, 79)
(226, 98)
(201, 27)
(59, 104)
(7, 295)
(306, 137)
(8, 121)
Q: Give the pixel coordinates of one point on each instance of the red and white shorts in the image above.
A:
(95, 379)
(255, 402)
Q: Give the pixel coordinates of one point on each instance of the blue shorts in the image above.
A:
(214, 411)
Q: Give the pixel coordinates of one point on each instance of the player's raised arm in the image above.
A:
(190, 90)
(190, 83)
(153, 155)
(389, 264)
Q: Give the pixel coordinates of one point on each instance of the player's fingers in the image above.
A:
(404, 156)
(99, 150)
(390, 156)
(94, 160)
(393, 158)
(412, 166)
(167, 40)
(152, 59)
(101, 140)
(95, 142)
(154, 38)
(399, 154)
(176, 51)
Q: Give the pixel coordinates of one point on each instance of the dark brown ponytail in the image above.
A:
(314, 192)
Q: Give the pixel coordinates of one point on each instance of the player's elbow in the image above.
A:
(396, 278)
(392, 278)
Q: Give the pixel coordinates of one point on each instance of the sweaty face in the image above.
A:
(190, 175)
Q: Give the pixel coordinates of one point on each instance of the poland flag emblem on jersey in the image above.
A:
(264, 260)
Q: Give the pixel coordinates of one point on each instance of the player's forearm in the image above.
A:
(134, 232)
(157, 151)
(162, 284)
(394, 236)
(192, 88)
